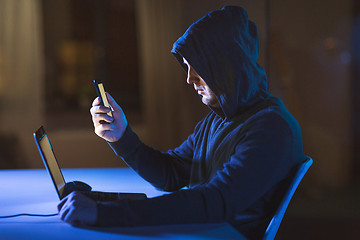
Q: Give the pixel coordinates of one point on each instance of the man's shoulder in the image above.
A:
(270, 112)
(265, 107)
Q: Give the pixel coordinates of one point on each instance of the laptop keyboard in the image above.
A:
(102, 196)
(112, 196)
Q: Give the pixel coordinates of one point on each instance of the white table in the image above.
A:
(32, 191)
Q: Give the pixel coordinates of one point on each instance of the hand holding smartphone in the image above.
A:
(100, 90)
(118, 126)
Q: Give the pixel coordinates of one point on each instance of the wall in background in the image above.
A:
(21, 80)
(310, 53)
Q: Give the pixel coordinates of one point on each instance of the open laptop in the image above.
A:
(64, 188)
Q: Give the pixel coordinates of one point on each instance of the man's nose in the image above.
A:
(191, 77)
(188, 79)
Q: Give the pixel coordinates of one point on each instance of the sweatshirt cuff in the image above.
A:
(127, 144)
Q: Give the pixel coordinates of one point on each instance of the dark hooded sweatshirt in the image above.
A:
(237, 160)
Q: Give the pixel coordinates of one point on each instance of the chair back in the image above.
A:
(274, 224)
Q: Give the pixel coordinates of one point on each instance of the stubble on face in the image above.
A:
(203, 90)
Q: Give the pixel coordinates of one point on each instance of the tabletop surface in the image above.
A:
(32, 191)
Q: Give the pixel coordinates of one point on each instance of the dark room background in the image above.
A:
(51, 50)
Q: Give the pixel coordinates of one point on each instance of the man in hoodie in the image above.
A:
(239, 157)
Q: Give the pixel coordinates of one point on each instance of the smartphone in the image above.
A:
(100, 90)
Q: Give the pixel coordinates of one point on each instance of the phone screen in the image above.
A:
(100, 90)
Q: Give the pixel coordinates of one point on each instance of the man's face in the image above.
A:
(207, 96)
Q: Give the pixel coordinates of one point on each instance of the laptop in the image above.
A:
(64, 188)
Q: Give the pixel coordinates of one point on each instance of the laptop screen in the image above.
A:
(48, 156)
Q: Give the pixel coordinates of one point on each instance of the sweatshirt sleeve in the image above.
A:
(261, 160)
(167, 171)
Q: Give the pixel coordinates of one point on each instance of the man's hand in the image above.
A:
(106, 127)
(78, 210)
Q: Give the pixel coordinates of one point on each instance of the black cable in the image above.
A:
(30, 215)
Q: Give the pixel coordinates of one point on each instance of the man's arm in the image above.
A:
(261, 160)
(167, 171)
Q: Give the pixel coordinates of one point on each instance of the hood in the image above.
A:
(223, 48)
